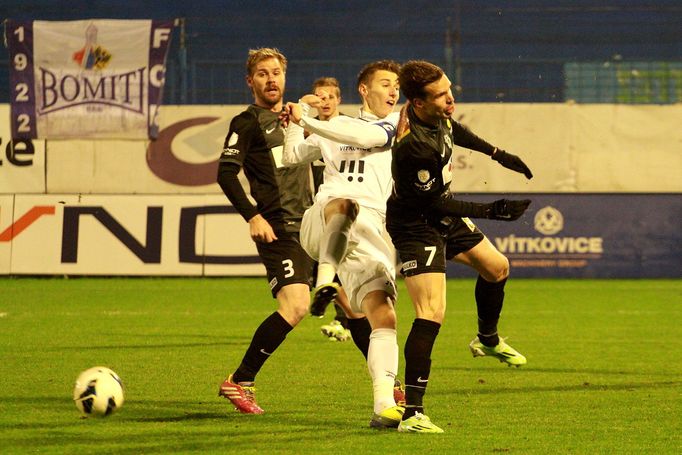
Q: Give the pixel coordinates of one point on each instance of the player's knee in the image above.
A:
(498, 272)
(435, 315)
(349, 207)
(502, 271)
(431, 310)
(294, 304)
(379, 310)
(294, 314)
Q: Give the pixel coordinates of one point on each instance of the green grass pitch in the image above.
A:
(604, 373)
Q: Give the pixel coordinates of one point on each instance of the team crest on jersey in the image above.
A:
(425, 181)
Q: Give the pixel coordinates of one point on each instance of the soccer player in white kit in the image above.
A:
(344, 230)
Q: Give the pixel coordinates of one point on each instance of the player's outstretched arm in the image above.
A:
(501, 209)
(512, 162)
(297, 149)
(466, 138)
(507, 209)
(350, 131)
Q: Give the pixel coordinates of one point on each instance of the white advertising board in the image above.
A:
(7, 230)
(520, 129)
(584, 148)
(182, 160)
(130, 235)
(627, 148)
(569, 148)
(22, 162)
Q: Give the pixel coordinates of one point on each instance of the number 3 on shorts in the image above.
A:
(289, 267)
(432, 253)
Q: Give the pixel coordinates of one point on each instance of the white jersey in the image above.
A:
(356, 153)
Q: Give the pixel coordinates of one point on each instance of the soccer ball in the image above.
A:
(98, 392)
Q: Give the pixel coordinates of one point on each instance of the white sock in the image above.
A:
(325, 274)
(382, 361)
(333, 245)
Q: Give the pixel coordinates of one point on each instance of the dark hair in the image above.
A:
(368, 70)
(415, 75)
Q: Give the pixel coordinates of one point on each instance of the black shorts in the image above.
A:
(424, 248)
(286, 262)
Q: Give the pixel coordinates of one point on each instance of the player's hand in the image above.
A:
(260, 230)
(512, 162)
(403, 122)
(294, 111)
(283, 117)
(507, 209)
(311, 100)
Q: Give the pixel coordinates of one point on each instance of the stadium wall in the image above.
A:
(606, 195)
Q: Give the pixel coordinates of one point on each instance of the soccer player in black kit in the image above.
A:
(424, 221)
(282, 194)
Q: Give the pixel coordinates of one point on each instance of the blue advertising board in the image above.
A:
(588, 236)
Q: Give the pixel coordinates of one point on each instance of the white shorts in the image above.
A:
(370, 260)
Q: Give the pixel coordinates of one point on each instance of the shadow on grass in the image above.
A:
(188, 416)
(182, 430)
(240, 342)
(159, 411)
(584, 387)
(498, 368)
(271, 438)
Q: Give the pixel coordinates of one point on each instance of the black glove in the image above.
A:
(512, 162)
(506, 209)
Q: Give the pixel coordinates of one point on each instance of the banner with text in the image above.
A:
(97, 78)
(561, 236)
(22, 161)
(125, 235)
(589, 236)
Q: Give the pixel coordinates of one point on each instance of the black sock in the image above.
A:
(269, 335)
(341, 316)
(489, 299)
(360, 330)
(418, 347)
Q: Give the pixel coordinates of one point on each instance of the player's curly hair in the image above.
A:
(415, 75)
(258, 55)
(368, 70)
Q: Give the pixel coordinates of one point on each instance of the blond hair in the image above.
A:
(258, 55)
(327, 82)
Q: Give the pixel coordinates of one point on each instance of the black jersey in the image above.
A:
(255, 142)
(422, 166)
